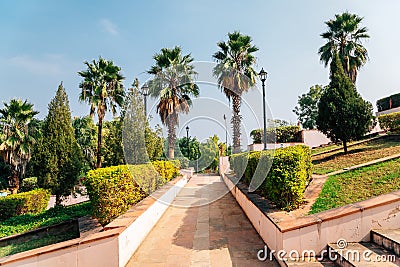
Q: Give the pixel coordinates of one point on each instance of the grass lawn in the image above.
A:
(36, 243)
(358, 185)
(27, 222)
(375, 149)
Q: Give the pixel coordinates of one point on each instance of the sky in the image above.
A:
(46, 42)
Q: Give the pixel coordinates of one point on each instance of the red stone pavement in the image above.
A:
(203, 227)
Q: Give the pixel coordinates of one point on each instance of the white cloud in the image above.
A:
(109, 27)
(47, 65)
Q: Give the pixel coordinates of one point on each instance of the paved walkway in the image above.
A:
(195, 232)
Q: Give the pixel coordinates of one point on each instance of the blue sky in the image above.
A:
(45, 42)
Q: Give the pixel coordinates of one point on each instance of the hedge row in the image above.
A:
(34, 201)
(390, 122)
(113, 190)
(384, 103)
(289, 172)
(283, 134)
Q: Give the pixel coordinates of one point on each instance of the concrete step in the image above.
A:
(388, 239)
(363, 255)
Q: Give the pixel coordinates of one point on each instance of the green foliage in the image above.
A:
(234, 71)
(102, 89)
(389, 102)
(188, 148)
(287, 178)
(173, 84)
(28, 202)
(112, 151)
(282, 134)
(390, 122)
(58, 156)
(113, 190)
(183, 162)
(86, 137)
(153, 142)
(29, 184)
(344, 37)
(307, 107)
(343, 115)
(28, 222)
(17, 138)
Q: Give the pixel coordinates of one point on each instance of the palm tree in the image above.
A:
(235, 74)
(17, 138)
(102, 89)
(345, 36)
(173, 83)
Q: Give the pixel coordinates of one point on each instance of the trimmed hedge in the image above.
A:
(34, 201)
(283, 134)
(384, 103)
(287, 178)
(390, 122)
(113, 190)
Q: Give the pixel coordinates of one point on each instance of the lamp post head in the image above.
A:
(145, 89)
(263, 75)
(187, 129)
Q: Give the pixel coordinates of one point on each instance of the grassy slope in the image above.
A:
(358, 154)
(358, 185)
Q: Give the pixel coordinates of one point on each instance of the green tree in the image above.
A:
(307, 107)
(58, 159)
(342, 113)
(17, 138)
(345, 36)
(113, 151)
(102, 89)
(154, 142)
(188, 148)
(173, 84)
(85, 135)
(235, 75)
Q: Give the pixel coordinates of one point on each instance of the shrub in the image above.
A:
(113, 190)
(282, 134)
(184, 162)
(34, 201)
(29, 184)
(390, 122)
(287, 178)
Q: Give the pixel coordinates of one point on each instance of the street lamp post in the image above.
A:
(263, 77)
(226, 136)
(187, 141)
(145, 92)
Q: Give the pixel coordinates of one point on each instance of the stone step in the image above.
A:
(363, 255)
(388, 239)
(313, 263)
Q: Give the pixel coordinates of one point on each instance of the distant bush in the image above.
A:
(184, 162)
(28, 202)
(390, 122)
(29, 184)
(287, 178)
(113, 190)
(384, 103)
(282, 134)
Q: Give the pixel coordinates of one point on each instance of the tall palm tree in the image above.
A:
(102, 89)
(235, 74)
(173, 83)
(17, 138)
(345, 35)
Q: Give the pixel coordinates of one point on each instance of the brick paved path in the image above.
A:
(194, 232)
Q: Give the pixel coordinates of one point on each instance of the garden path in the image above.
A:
(204, 226)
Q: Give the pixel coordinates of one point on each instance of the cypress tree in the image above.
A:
(59, 157)
(343, 115)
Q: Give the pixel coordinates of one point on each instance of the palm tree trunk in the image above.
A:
(345, 146)
(236, 120)
(14, 182)
(99, 135)
(171, 136)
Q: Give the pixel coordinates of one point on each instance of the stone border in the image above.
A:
(352, 222)
(114, 246)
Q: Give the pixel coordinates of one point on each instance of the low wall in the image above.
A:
(112, 247)
(314, 138)
(352, 222)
